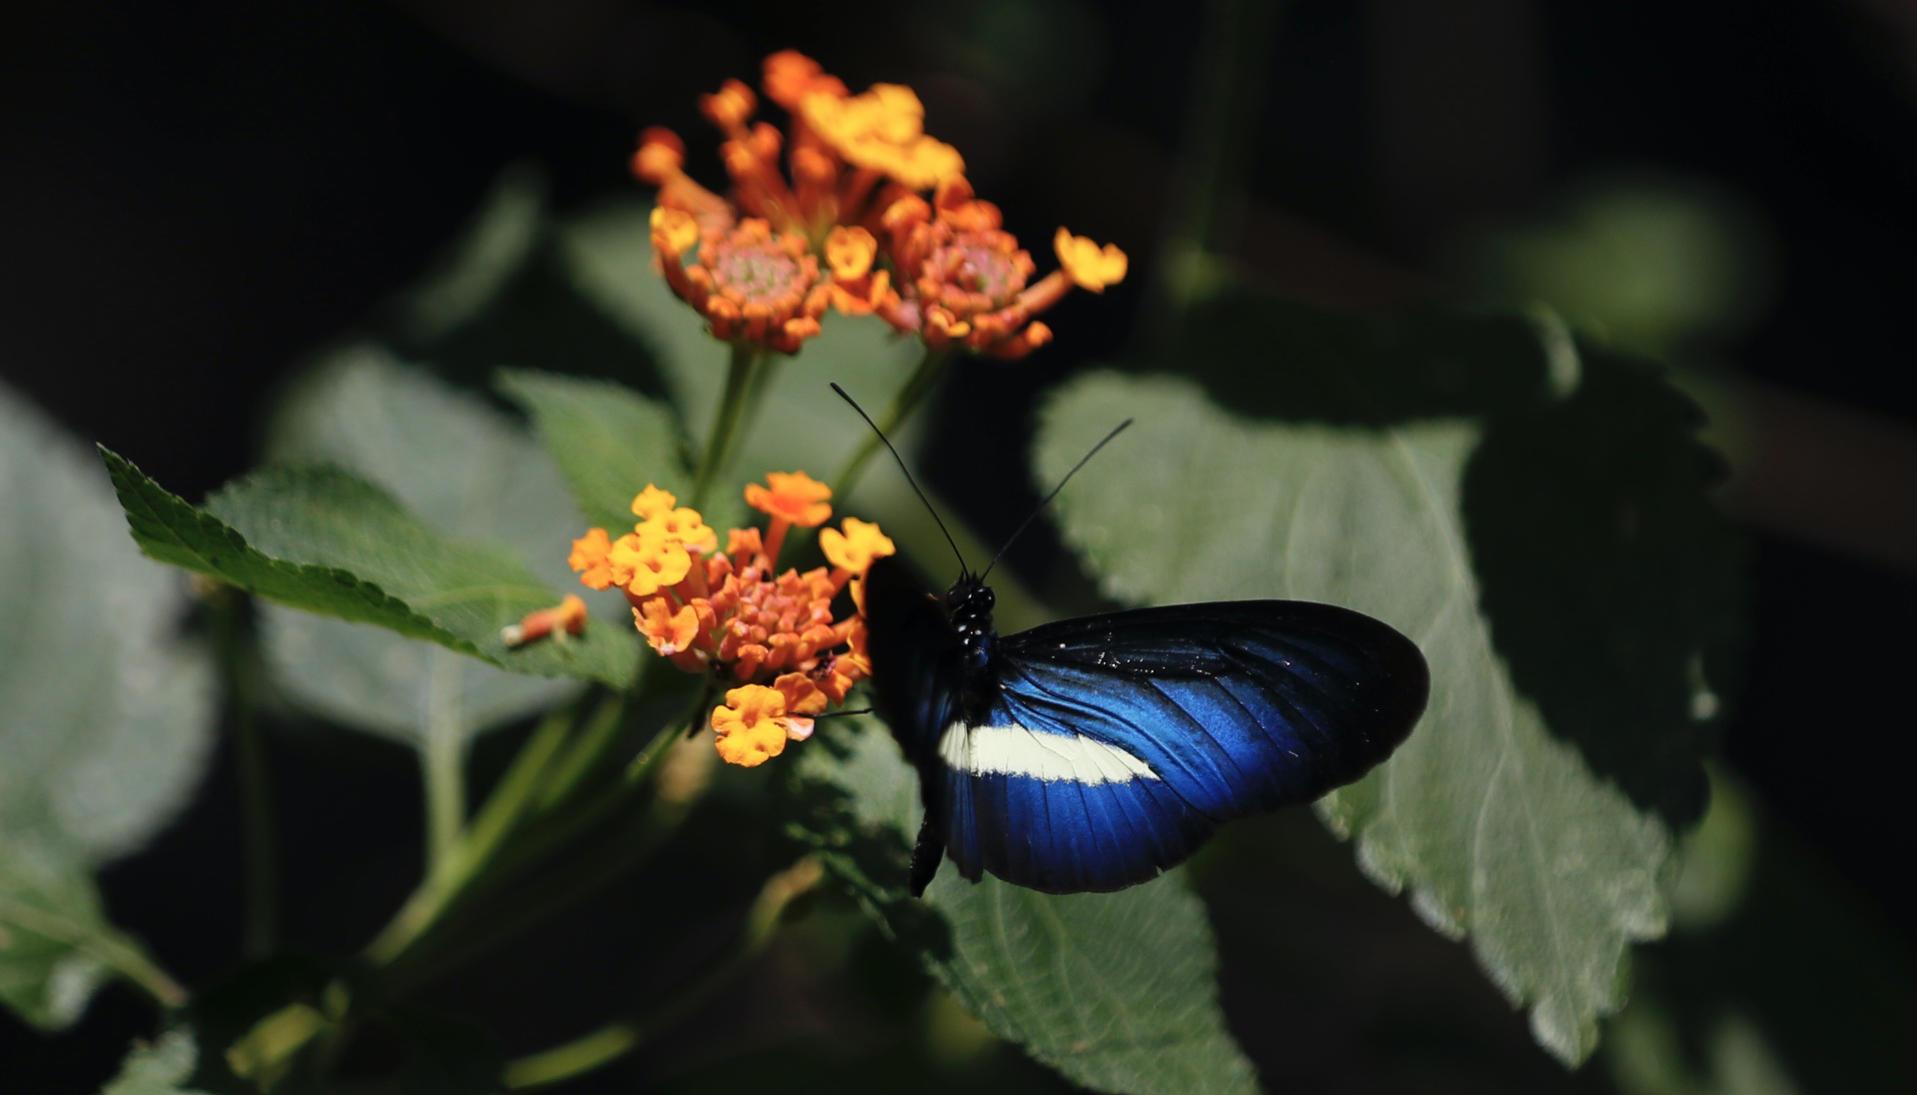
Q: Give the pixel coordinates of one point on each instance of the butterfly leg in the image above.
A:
(926, 856)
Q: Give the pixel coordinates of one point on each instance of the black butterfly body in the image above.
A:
(1093, 753)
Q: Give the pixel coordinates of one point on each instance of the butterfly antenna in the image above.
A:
(1040, 508)
(963, 569)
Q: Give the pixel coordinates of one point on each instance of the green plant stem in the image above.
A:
(443, 765)
(627, 852)
(598, 738)
(921, 383)
(257, 829)
(726, 419)
(504, 809)
(609, 1043)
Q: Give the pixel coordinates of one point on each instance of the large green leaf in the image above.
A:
(327, 522)
(607, 439)
(108, 716)
(500, 519)
(1116, 991)
(1555, 561)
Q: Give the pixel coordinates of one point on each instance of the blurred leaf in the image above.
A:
(1652, 261)
(1778, 976)
(51, 926)
(108, 716)
(1491, 813)
(608, 440)
(162, 1067)
(485, 488)
(1116, 991)
(481, 262)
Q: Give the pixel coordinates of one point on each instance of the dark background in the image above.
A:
(196, 195)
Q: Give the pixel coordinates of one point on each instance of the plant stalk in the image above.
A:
(258, 830)
(615, 1040)
(723, 438)
(921, 383)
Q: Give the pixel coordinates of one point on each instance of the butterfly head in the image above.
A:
(969, 602)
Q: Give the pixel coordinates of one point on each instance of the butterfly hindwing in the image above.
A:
(1117, 743)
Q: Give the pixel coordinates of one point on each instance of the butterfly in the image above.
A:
(1091, 754)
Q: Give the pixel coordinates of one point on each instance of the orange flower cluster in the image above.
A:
(844, 225)
(735, 614)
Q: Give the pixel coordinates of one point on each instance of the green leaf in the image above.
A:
(1555, 561)
(608, 440)
(1115, 991)
(494, 525)
(476, 271)
(50, 920)
(108, 721)
(161, 1067)
(171, 530)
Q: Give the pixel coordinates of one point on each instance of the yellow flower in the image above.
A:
(850, 251)
(1088, 266)
(793, 496)
(652, 502)
(589, 558)
(752, 725)
(644, 564)
(666, 631)
(882, 130)
(854, 549)
(673, 232)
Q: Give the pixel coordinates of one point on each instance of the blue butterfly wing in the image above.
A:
(1115, 744)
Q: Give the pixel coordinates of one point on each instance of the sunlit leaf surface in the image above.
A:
(1554, 560)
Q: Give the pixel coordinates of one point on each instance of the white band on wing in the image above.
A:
(1016, 751)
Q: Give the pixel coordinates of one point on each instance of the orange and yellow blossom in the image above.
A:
(735, 615)
(965, 281)
(749, 261)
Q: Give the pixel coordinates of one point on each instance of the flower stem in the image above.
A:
(443, 763)
(614, 1040)
(257, 828)
(504, 809)
(903, 404)
(635, 841)
(725, 421)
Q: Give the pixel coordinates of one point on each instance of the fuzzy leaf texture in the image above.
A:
(608, 441)
(1116, 991)
(108, 719)
(1532, 514)
(486, 489)
(344, 543)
